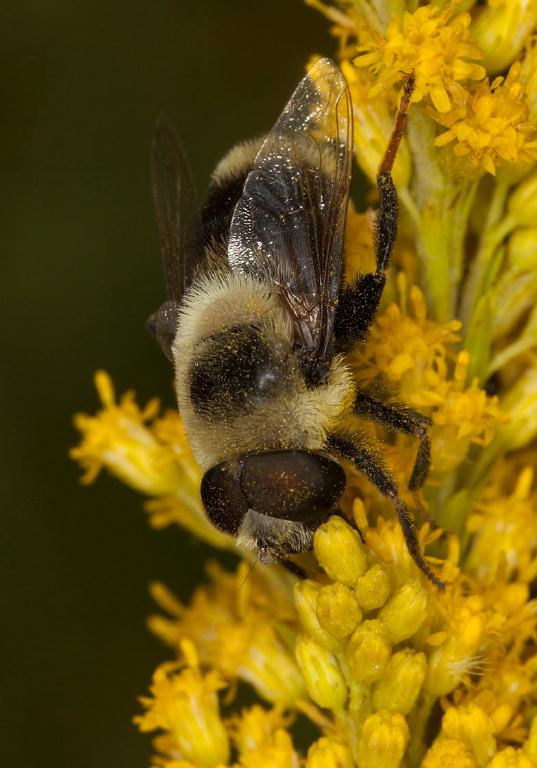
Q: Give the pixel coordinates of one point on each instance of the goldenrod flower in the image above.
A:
(240, 628)
(435, 46)
(389, 670)
(184, 703)
(490, 123)
(148, 452)
(117, 438)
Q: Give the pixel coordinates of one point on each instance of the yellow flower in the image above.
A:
(184, 703)
(449, 753)
(512, 541)
(119, 439)
(383, 742)
(471, 726)
(240, 628)
(404, 345)
(511, 758)
(328, 753)
(148, 452)
(262, 739)
(435, 46)
(491, 123)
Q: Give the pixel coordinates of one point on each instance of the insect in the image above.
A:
(258, 322)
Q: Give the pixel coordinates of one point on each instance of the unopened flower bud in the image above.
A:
(509, 757)
(522, 205)
(327, 753)
(306, 596)
(449, 752)
(373, 588)
(402, 681)
(472, 725)
(521, 249)
(340, 551)
(368, 652)
(501, 30)
(383, 742)
(324, 679)
(405, 611)
(337, 610)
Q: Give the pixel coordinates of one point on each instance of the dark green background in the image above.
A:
(81, 84)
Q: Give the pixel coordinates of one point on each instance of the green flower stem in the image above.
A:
(484, 268)
(359, 709)
(445, 208)
(461, 215)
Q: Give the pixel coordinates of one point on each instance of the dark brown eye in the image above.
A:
(292, 485)
(223, 498)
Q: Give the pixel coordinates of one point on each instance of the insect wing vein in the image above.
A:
(289, 223)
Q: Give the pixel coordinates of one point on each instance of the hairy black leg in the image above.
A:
(366, 460)
(356, 310)
(397, 417)
(290, 565)
(359, 301)
(388, 213)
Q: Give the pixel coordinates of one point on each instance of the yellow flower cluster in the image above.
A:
(386, 669)
(379, 648)
(414, 352)
(150, 453)
(491, 123)
(185, 707)
(436, 46)
(239, 630)
(440, 48)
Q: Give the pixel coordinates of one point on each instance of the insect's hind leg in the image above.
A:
(397, 417)
(350, 448)
(359, 301)
(388, 212)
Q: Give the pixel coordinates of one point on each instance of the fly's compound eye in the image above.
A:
(223, 498)
(292, 485)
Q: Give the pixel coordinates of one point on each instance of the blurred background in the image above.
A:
(81, 84)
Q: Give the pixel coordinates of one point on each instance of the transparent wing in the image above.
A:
(288, 226)
(176, 208)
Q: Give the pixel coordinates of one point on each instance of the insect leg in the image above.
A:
(290, 565)
(366, 460)
(359, 301)
(397, 417)
(388, 213)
